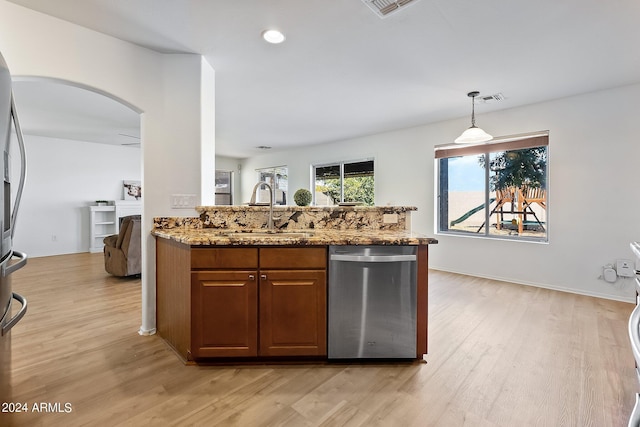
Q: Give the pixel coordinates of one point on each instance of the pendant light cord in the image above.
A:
(473, 111)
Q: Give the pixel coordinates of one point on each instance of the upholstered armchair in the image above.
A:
(122, 251)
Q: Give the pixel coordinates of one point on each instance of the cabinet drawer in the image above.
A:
(226, 258)
(293, 258)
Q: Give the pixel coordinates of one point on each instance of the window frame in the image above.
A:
(496, 145)
(341, 164)
(273, 170)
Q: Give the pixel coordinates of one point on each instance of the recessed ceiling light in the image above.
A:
(273, 36)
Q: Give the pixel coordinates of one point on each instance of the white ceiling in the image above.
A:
(343, 72)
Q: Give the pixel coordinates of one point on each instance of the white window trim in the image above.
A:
(341, 163)
(494, 141)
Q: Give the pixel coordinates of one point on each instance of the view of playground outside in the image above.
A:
(471, 203)
(495, 189)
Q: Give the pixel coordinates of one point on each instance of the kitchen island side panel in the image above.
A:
(422, 315)
(173, 295)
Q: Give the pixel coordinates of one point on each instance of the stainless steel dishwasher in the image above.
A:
(372, 302)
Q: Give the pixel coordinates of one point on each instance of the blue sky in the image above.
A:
(465, 174)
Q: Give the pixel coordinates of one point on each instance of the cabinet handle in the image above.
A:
(252, 277)
(263, 277)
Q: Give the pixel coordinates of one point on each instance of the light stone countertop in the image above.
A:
(302, 237)
(294, 225)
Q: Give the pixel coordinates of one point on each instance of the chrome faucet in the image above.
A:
(253, 202)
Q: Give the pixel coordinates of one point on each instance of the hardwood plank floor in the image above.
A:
(500, 355)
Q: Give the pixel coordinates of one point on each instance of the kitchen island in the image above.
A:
(228, 289)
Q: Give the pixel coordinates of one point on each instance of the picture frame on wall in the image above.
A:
(132, 190)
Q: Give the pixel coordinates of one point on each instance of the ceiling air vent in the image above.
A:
(383, 8)
(491, 98)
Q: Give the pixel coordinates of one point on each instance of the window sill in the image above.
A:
(507, 238)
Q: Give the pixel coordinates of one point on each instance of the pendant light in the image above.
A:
(473, 134)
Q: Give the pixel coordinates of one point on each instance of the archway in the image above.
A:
(82, 143)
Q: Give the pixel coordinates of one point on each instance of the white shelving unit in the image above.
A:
(102, 220)
(105, 220)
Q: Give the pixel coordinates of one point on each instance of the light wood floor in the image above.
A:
(499, 355)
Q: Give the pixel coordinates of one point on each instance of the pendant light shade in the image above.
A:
(474, 134)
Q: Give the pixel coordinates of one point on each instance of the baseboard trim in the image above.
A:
(542, 285)
(146, 332)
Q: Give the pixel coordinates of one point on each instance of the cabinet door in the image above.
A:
(224, 314)
(293, 313)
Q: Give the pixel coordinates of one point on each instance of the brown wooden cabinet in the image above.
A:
(244, 302)
(293, 302)
(293, 313)
(224, 317)
(247, 302)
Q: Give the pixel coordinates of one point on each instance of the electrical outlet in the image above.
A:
(625, 268)
(390, 218)
(183, 201)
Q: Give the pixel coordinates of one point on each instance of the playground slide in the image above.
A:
(469, 213)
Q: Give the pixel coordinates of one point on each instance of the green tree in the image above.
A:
(359, 189)
(356, 189)
(518, 168)
(332, 189)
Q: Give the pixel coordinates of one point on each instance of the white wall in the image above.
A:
(166, 89)
(64, 177)
(207, 94)
(593, 189)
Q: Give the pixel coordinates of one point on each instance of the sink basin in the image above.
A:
(275, 234)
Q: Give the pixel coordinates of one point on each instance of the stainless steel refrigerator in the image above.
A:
(10, 259)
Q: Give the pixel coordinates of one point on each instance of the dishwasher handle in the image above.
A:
(372, 258)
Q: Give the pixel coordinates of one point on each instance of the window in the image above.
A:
(344, 182)
(513, 186)
(277, 178)
(224, 195)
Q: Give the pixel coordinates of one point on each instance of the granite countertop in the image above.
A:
(301, 237)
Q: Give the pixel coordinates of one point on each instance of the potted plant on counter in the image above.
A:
(302, 197)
